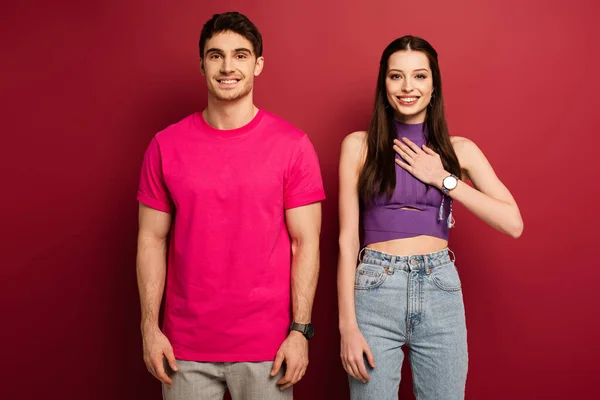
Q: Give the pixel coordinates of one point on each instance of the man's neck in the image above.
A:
(229, 114)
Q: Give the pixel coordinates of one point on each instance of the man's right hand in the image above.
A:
(157, 346)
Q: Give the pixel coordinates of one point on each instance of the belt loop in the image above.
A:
(426, 263)
(391, 267)
(453, 258)
(360, 254)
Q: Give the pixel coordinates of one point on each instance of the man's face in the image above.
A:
(230, 65)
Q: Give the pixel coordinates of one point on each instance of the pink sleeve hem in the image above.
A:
(153, 203)
(304, 199)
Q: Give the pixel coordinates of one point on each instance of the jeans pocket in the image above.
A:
(446, 278)
(369, 276)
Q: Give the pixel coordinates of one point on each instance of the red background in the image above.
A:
(85, 85)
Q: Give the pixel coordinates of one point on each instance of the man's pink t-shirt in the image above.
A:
(229, 258)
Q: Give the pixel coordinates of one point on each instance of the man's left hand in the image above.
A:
(294, 351)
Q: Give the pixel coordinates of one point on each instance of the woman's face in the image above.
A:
(409, 85)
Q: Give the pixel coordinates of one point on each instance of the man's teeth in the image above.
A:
(228, 81)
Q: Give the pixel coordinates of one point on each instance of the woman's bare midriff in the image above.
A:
(410, 246)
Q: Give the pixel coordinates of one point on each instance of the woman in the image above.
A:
(399, 179)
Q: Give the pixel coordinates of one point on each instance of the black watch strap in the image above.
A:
(306, 329)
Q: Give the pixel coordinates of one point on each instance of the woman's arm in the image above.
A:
(349, 244)
(353, 344)
(490, 200)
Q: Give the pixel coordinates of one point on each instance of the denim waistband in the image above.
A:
(415, 262)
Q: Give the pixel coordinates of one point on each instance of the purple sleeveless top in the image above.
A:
(384, 219)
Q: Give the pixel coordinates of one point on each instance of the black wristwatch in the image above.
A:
(306, 329)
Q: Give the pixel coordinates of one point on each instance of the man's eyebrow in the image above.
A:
(220, 51)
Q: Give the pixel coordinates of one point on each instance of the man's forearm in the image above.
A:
(305, 274)
(151, 270)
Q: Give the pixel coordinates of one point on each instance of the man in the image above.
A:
(234, 194)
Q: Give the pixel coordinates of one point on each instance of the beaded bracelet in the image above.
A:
(450, 221)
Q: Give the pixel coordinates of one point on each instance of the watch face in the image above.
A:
(310, 331)
(450, 182)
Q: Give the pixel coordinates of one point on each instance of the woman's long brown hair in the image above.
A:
(378, 176)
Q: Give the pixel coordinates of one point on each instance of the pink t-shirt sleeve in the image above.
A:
(303, 183)
(152, 190)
